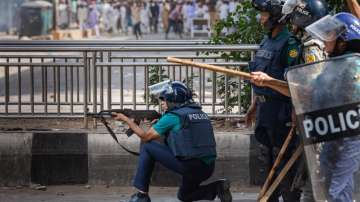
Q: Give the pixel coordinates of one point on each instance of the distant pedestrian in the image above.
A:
(189, 14)
(175, 18)
(145, 17)
(202, 11)
(123, 18)
(82, 13)
(63, 20)
(213, 15)
(165, 14)
(129, 20)
(223, 10)
(93, 19)
(154, 16)
(136, 19)
(117, 20)
(108, 17)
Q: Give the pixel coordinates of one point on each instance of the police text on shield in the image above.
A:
(332, 123)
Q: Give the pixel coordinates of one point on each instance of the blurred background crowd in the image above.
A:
(115, 17)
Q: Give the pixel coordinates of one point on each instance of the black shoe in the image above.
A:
(140, 197)
(223, 190)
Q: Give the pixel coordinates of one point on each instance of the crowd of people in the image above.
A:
(142, 17)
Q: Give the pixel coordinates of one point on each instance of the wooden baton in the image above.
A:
(272, 83)
(283, 149)
(282, 173)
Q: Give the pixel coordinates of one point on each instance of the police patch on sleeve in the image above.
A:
(310, 58)
(293, 53)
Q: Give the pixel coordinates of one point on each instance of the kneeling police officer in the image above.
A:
(189, 149)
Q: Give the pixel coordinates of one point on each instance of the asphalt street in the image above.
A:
(82, 193)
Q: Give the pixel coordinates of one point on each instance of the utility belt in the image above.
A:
(266, 98)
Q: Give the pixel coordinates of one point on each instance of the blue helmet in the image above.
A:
(305, 12)
(177, 93)
(273, 7)
(352, 24)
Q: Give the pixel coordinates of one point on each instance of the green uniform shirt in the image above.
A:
(290, 53)
(171, 122)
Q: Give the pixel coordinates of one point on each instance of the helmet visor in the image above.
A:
(289, 7)
(164, 86)
(327, 28)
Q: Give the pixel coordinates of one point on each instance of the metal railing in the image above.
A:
(66, 79)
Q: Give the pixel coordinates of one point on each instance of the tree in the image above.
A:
(241, 27)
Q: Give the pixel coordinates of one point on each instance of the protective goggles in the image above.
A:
(162, 87)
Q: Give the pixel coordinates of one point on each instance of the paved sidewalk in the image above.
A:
(82, 193)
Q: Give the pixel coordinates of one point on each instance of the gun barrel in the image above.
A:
(98, 115)
(135, 114)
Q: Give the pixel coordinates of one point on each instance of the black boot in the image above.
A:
(223, 190)
(140, 197)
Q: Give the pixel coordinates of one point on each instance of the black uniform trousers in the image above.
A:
(193, 172)
(273, 124)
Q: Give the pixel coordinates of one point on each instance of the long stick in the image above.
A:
(244, 75)
(282, 174)
(276, 163)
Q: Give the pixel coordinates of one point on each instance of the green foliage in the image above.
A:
(189, 82)
(233, 93)
(156, 75)
(243, 28)
(246, 29)
(337, 6)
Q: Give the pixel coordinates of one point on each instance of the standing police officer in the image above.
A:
(190, 148)
(339, 159)
(278, 50)
(300, 14)
(339, 173)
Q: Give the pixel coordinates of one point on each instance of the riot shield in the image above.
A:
(326, 98)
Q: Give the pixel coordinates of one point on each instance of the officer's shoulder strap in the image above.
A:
(314, 42)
